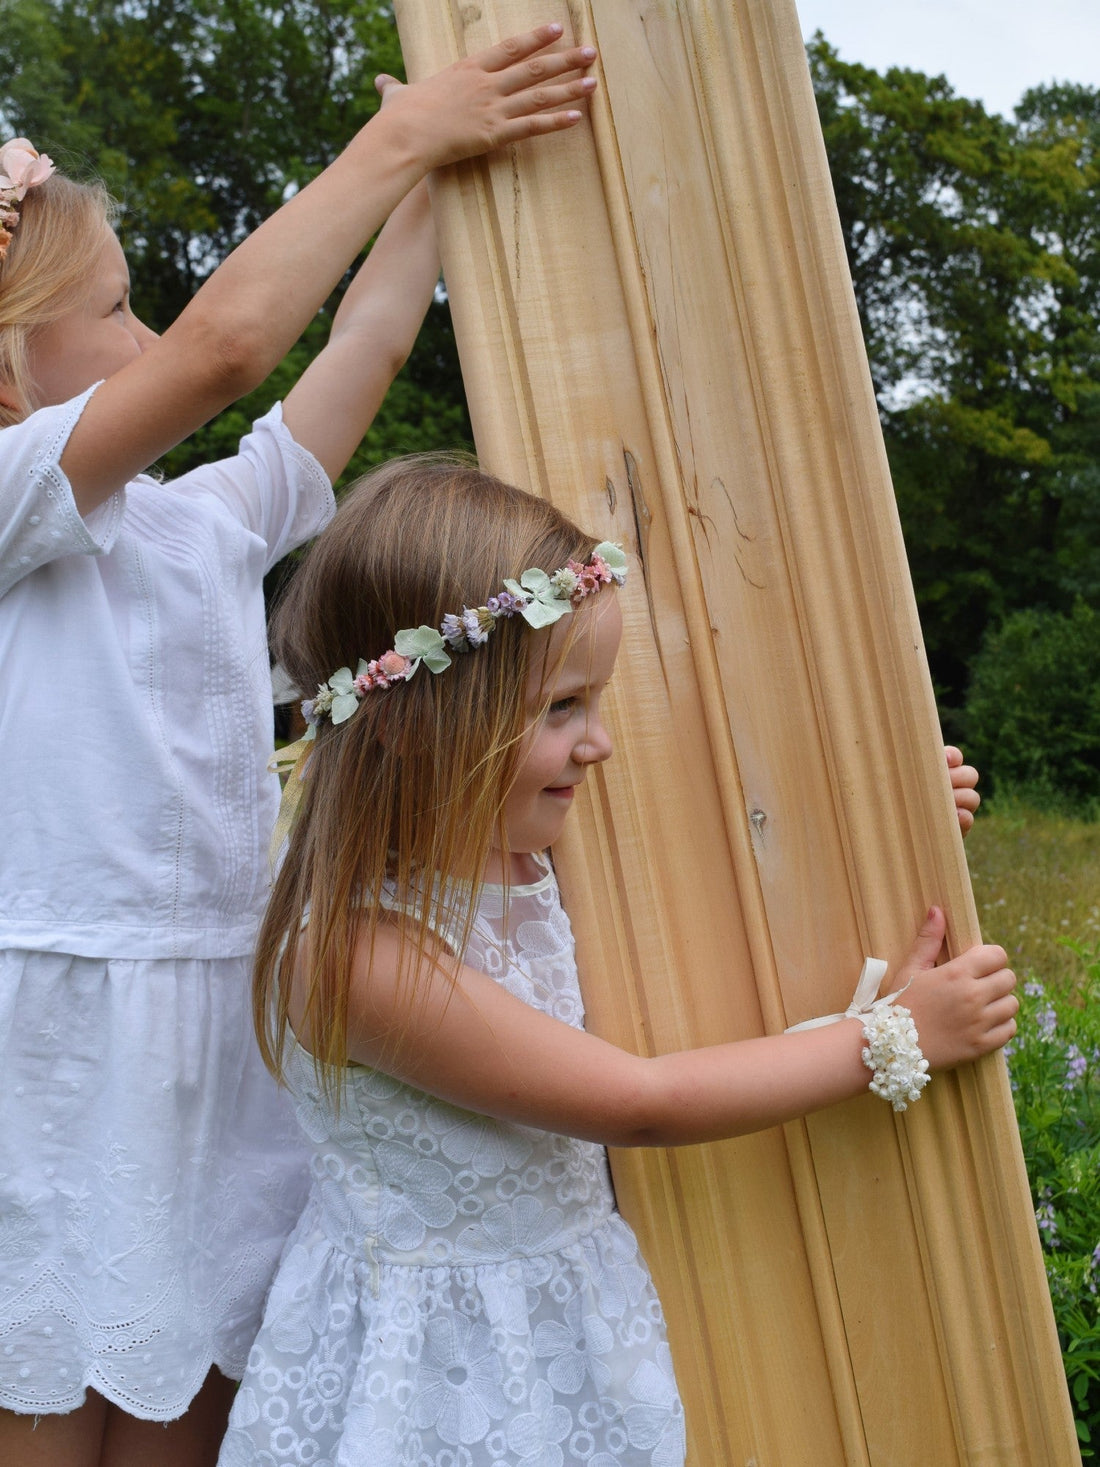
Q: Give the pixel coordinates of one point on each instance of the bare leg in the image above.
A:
(72, 1440)
(191, 1441)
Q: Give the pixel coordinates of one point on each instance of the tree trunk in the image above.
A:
(657, 331)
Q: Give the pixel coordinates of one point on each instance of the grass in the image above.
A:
(1036, 883)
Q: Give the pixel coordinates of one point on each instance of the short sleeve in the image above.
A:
(273, 485)
(39, 520)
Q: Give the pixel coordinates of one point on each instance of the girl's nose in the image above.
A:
(595, 747)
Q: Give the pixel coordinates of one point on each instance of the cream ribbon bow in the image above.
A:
(864, 998)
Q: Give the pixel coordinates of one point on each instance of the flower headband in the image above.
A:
(540, 599)
(22, 167)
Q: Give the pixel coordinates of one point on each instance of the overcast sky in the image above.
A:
(990, 50)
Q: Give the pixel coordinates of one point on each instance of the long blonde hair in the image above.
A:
(411, 787)
(45, 271)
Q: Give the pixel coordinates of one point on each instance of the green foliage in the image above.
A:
(1036, 881)
(202, 116)
(1054, 1063)
(1033, 711)
(974, 244)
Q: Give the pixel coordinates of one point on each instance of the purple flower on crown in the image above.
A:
(454, 633)
(476, 634)
(505, 604)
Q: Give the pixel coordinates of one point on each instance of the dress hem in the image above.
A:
(110, 1393)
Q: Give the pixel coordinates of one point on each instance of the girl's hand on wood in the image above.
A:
(516, 89)
(964, 778)
(963, 1008)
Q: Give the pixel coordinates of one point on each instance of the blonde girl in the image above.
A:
(149, 1171)
(460, 1288)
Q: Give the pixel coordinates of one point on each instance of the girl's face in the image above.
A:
(564, 738)
(95, 339)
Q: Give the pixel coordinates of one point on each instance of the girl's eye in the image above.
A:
(561, 705)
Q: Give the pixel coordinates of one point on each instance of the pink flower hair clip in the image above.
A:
(22, 167)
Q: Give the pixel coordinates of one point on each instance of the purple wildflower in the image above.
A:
(1076, 1065)
(1046, 1021)
(1048, 1223)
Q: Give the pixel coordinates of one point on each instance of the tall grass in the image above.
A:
(1036, 882)
(1037, 885)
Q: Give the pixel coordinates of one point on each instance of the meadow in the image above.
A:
(1036, 882)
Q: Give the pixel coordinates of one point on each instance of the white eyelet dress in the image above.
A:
(459, 1292)
(150, 1169)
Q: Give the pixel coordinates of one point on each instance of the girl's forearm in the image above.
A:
(261, 298)
(733, 1089)
(334, 403)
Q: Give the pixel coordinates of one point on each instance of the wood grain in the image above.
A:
(657, 331)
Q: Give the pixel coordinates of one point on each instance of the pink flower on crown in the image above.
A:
(392, 664)
(590, 577)
(391, 667)
(22, 166)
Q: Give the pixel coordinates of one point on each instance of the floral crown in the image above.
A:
(540, 599)
(22, 167)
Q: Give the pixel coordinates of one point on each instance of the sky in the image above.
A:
(989, 50)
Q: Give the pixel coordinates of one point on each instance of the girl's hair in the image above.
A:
(408, 793)
(45, 271)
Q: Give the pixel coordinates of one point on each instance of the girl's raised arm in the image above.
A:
(475, 1045)
(333, 403)
(257, 303)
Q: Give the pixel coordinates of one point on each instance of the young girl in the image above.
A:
(147, 1173)
(460, 1288)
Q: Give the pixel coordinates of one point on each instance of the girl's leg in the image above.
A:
(191, 1441)
(72, 1440)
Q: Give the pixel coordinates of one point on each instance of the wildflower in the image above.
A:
(1076, 1065)
(1046, 1021)
(1034, 989)
(1048, 1223)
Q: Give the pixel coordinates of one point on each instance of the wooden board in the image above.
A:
(657, 331)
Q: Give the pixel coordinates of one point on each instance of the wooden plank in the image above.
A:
(657, 331)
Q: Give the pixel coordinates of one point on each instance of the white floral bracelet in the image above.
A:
(899, 1071)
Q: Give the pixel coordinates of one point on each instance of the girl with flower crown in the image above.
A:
(149, 1168)
(460, 1288)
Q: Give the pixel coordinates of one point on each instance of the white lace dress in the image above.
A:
(459, 1292)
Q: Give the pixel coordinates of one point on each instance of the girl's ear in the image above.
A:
(10, 399)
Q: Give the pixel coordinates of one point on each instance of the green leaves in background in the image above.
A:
(974, 244)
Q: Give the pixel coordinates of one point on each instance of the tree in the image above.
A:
(973, 246)
(202, 117)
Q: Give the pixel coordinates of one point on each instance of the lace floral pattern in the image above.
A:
(459, 1292)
